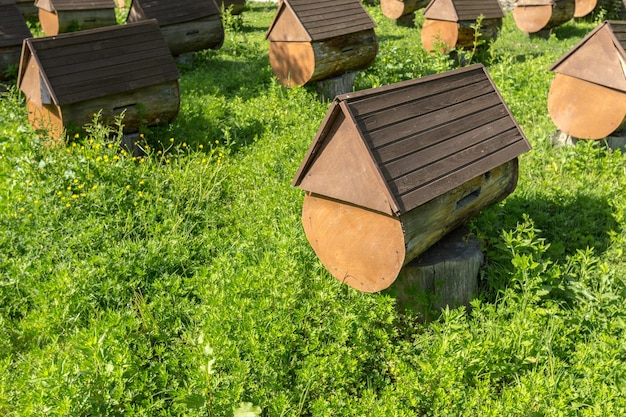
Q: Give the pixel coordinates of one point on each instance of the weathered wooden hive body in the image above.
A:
(583, 7)
(187, 26)
(235, 6)
(313, 40)
(587, 96)
(449, 24)
(394, 169)
(13, 31)
(27, 8)
(532, 16)
(395, 9)
(60, 16)
(126, 68)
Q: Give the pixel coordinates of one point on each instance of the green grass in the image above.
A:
(181, 282)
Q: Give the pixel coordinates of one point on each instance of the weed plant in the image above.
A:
(180, 282)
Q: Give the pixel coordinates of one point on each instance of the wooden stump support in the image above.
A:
(330, 88)
(446, 275)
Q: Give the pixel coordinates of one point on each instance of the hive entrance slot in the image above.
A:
(90, 20)
(119, 109)
(193, 32)
(468, 199)
(347, 50)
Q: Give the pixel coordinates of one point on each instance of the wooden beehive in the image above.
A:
(532, 16)
(395, 168)
(449, 24)
(587, 97)
(126, 68)
(313, 40)
(395, 9)
(186, 26)
(583, 7)
(235, 6)
(13, 30)
(60, 16)
(27, 8)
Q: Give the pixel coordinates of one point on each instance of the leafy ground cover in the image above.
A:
(181, 283)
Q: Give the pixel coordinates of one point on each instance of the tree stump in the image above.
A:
(615, 141)
(446, 275)
(330, 88)
(406, 20)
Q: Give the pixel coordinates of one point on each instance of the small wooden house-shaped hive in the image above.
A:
(396, 9)
(235, 6)
(394, 169)
(533, 16)
(313, 40)
(449, 24)
(13, 31)
(126, 68)
(60, 16)
(187, 26)
(587, 96)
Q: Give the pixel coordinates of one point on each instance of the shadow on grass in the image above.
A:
(567, 224)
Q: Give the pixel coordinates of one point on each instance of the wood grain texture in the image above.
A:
(442, 36)
(597, 58)
(394, 9)
(100, 62)
(298, 63)
(532, 19)
(458, 10)
(58, 5)
(170, 12)
(62, 21)
(360, 248)
(585, 110)
(318, 20)
(197, 35)
(583, 7)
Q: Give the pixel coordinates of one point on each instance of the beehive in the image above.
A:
(587, 97)
(583, 7)
(532, 16)
(186, 26)
(395, 9)
(13, 30)
(127, 68)
(395, 168)
(313, 40)
(450, 24)
(60, 16)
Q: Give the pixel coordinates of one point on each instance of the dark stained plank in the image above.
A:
(13, 28)
(330, 18)
(96, 63)
(169, 12)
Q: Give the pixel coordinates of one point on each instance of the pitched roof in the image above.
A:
(54, 5)
(169, 12)
(83, 65)
(604, 46)
(13, 29)
(313, 20)
(413, 140)
(458, 10)
(540, 2)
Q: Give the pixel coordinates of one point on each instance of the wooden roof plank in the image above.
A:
(323, 19)
(96, 63)
(170, 12)
(419, 153)
(13, 28)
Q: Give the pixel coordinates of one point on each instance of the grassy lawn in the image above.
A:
(180, 283)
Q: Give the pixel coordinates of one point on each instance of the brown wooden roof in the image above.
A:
(459, 10)
(54, 5)
(13, 28)
(540, 2)
(169, 12)
(313, 20)
(401, 145)
(100, 62)
(599, 57)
